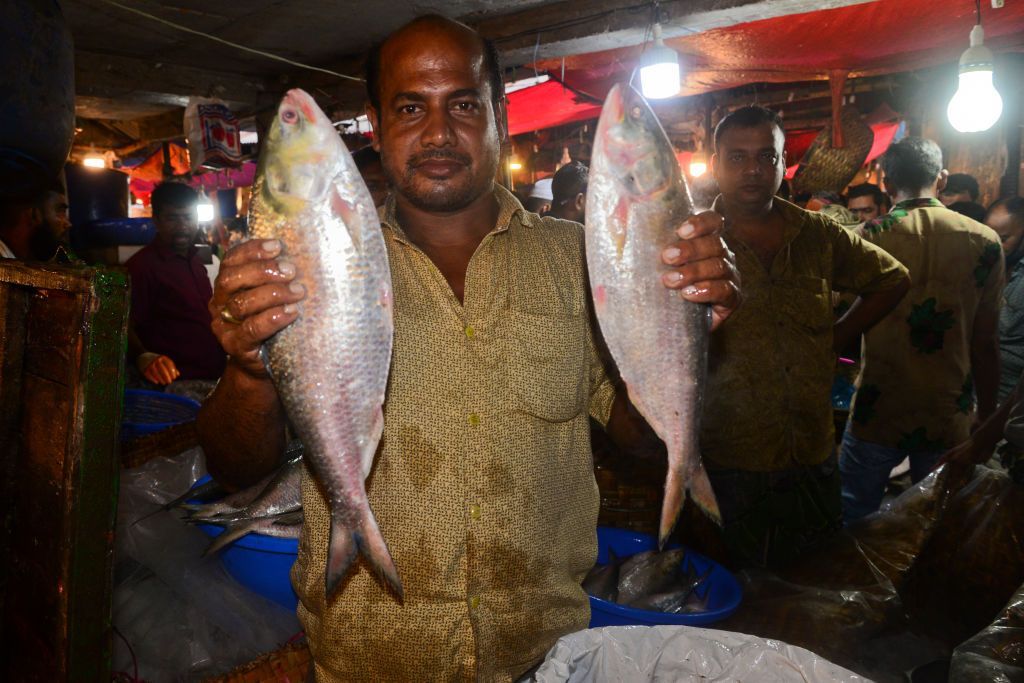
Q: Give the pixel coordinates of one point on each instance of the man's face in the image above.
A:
(948, 199)
(749, 164)
(864, 208)
(177, 228)
(1010, 231)
(437, 130)
(54, 216)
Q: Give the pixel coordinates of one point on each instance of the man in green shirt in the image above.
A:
(767, 436)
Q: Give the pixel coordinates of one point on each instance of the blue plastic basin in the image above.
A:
(146, 412)
(725, 591)
(263, 564)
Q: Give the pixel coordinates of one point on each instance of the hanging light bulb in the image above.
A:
(976, 106)
(698, 165)
(94, 159)
(659, 69)
(204, 208)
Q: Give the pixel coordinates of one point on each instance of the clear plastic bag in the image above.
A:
(182, 615)
(997, 652)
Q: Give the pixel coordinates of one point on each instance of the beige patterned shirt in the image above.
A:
(483, 485)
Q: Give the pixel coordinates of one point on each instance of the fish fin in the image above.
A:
(617, 225)
(350, 217)
(346, 543)
(231, 534)
(370, 447)
(703, 495)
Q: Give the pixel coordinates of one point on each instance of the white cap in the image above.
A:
(542, 189)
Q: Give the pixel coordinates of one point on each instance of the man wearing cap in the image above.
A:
(539, 201)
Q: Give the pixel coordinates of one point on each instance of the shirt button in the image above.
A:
(469, 332)
(474, 602)
(474, 511)
(474, 419)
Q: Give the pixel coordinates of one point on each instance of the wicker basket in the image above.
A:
(825, 168)
(290, 664)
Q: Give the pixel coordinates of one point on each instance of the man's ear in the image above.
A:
(581, 202)
(501, 120)
(940, 182)
(374, 119)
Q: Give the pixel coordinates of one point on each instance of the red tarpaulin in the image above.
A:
(870, 38)
(546, 105)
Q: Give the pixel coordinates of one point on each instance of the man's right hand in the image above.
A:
(253, 299)
(156, 368)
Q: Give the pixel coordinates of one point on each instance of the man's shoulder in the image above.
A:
(555, 230)
(142, 258)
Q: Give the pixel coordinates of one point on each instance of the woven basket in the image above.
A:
(165, 443)
(290, 664)
(825, 168)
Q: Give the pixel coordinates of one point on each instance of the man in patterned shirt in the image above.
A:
(483, 485)
(915, 393)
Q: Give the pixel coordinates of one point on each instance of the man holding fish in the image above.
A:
(482, 492)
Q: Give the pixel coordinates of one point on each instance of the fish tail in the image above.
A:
(346, 542)
(703, 495)
(231, 534)
(675, 494)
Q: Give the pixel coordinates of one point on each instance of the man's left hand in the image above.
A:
(704, 269)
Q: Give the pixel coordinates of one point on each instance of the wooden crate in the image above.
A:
(62, 349)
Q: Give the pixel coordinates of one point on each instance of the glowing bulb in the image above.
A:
(515, 166)
(659, 70)
(204, 209)
(94, 162)
(976, 106)
(698, 168)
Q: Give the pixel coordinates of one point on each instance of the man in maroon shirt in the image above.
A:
(169, 327)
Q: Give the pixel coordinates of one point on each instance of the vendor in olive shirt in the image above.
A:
(767, 437)
(169, 333)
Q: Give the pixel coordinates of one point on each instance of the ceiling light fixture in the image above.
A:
(659, 69)
(977, 105)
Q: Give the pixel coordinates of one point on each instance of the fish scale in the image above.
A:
(636, 199)
(331, 365)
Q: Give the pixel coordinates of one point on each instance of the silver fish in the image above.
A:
(648, 573)
(636, 199)
(602, 581)
(286, 525)
(331, 365)
(281, 495)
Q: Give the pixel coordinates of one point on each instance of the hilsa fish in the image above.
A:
(331, 365)
(636, 199)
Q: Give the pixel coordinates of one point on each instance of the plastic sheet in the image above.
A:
(629, 654)
(904, 586)
(183, 615)
(997, 653)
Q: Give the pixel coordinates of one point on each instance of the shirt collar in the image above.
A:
(793, 216)
(508, 208)
(900, 210)
(918, 203)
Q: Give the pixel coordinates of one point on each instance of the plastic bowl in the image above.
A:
(263, 564)
(725, 591)
(146, 412)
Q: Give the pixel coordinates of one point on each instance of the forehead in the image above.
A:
(863, 200)
(762, 136)
(426, 58)
(1000, 220)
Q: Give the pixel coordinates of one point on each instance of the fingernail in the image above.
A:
(673, 277)
(685, 230)
(285, 268)
(290, 308)
(670, 254)
(271, 245)
(296, 288)
(689, 290)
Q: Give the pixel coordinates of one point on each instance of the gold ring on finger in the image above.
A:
(226, 316)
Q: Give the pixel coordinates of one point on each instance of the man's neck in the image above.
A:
(461, 228)
(737, 213)
(923, 193)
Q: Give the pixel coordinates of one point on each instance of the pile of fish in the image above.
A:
(652, 581)
(271, 507)
(636, 200)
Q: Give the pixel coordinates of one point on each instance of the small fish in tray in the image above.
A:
(652, 581)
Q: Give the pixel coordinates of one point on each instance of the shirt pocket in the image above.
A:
(806, 302)
(546, 363)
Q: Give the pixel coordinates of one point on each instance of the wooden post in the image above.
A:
(62, 349)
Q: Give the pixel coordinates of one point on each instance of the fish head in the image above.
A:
(638, 153)
(302, 153)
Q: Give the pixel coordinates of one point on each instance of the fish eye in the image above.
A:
(289, 116)
(636, 112)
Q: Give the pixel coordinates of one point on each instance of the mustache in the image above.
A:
(439, 155)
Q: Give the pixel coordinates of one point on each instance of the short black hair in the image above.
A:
(867, 190)
(569, 181)
(748, 117)
(912, 164)
(492, 64)
(972, 210)
(962, 182)
(170, 193)
(367, 156)
(1013, 205)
